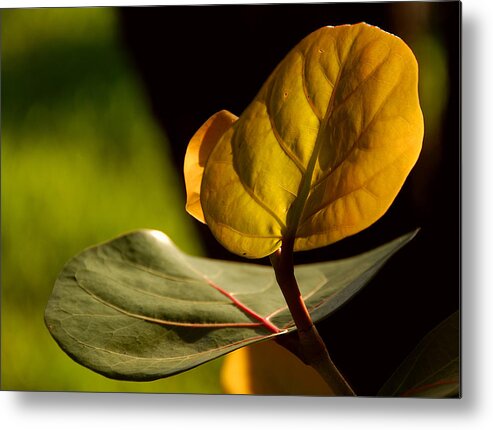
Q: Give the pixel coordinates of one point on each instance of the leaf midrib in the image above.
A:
(161, 321)
(298, 205)
(206, 282)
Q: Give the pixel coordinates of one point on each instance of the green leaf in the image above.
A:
(319, 154)
(432, 368)
(137, 308)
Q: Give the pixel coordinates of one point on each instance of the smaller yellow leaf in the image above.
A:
(198, 151)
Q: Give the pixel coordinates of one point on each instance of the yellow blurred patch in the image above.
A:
(268, 368)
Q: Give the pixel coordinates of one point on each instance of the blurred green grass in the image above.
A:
(82, 162)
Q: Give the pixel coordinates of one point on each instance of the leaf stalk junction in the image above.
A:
(311, 347)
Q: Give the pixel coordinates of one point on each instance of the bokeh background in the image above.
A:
(83, 160)
(98, 105)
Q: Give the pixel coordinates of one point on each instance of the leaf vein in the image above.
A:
(354, 146)
(314, 109)
(422, 382)
(271, 212)
(305, 298)
(166, 322)
(290, 154)
(245, 234)
(359, 187)
(175, 358)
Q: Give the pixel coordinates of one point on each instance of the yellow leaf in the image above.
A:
(198, 151)
(249, 370)
(323, 149)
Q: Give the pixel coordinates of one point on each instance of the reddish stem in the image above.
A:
(282, 261)
(312, 346)
(415, 390)
(271, 327)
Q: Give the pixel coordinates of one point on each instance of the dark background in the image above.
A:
(197, 60)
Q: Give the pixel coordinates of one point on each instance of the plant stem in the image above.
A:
(313, 347)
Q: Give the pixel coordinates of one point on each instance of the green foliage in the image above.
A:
(138, 308)
(82, 160)
(432, 368)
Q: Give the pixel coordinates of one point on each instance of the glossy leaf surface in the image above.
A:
(323, 149)
(432, 368)
(137, 308)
